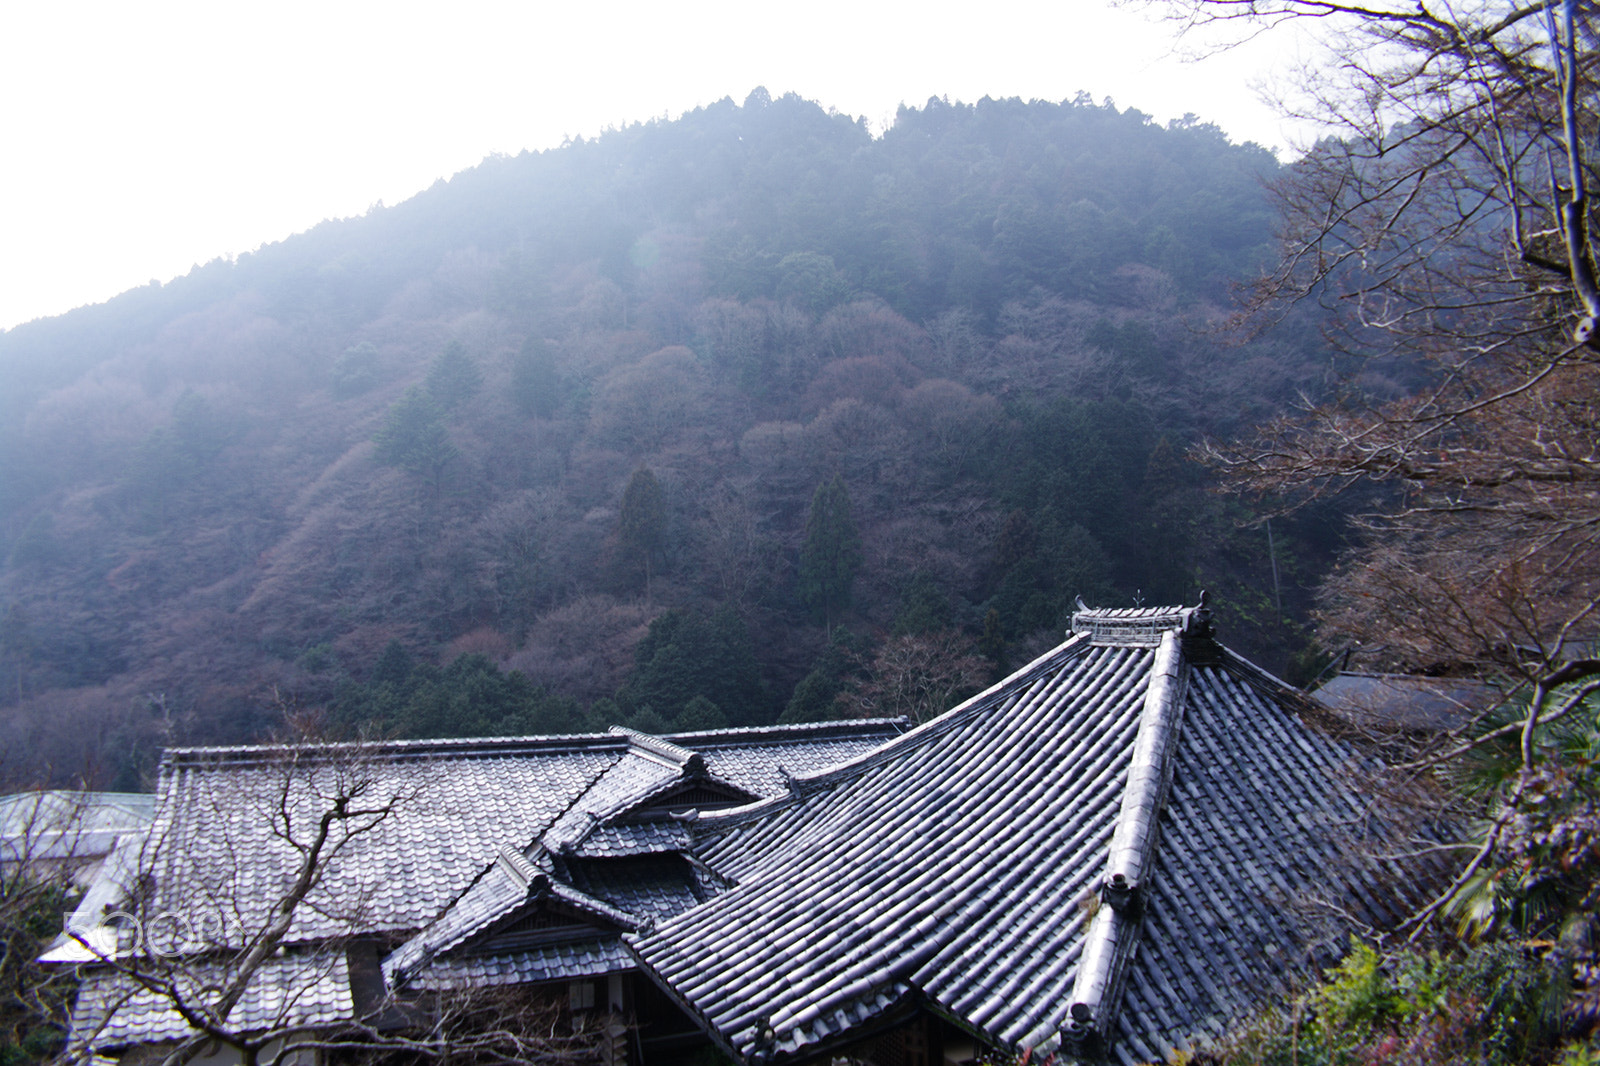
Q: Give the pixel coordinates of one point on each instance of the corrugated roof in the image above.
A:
(965, 863)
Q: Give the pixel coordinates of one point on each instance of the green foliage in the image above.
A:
(356, 370)
(1544, 877)
(699, 668)
(470, 697)
(812, 281)
(700, 713)
(1584, 1054)
(317, 658)
(454, 377)
(393, 667)
(813, 699)
(414, 439)
(535, 385)
(924, 607)
(1495, 1005)
(642, 524)
(166, 470)
(831, 552)
(716, 283)
(34, 999)
(992, 644)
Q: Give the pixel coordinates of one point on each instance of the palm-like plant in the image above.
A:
(1543, 878)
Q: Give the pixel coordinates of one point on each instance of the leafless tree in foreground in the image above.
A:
(1445, 232)
(243, 928)
(45, 842)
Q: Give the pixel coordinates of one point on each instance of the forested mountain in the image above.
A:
(712, 420)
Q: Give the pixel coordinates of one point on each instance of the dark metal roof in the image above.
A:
(971, 864)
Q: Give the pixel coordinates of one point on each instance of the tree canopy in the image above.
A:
(831, 552)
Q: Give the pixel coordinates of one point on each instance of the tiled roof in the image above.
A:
(461, 846)
(510, 885)
(584, 847)
(618, 841)
(215, 843)
(765, 769)
(966, 863)
(653, 888)
(552, 962)
(296, 991)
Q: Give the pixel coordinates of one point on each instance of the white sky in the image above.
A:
(138, 139)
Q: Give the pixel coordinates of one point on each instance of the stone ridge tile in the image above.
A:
(632, 777)
(760, 770)
(492, 895)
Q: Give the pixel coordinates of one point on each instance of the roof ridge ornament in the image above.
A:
(1141, 627)
(660, 749)
(521, 870)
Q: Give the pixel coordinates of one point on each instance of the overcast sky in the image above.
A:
(138, 139)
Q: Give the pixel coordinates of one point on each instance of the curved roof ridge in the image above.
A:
(1140, 626)
(1116, 928)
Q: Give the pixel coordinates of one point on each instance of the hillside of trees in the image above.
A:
(742, 416)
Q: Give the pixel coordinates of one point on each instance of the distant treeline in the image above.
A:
(743, 415)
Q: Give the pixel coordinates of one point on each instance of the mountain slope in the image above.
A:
(417, 426)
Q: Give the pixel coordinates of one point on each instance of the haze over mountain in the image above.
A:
(575, 414)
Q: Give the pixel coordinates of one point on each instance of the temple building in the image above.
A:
(1114, 853)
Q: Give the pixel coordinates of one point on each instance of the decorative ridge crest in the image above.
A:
(663, 750)
(521, 870)
(1140, 627)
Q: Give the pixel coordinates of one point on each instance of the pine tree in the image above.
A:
(534, 383)
(831, 554)
(413, 438)
(643, 530)
(454, 377)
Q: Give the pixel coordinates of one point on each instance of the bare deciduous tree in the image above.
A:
(919, 675)
(242, 921)
(1446, 231)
